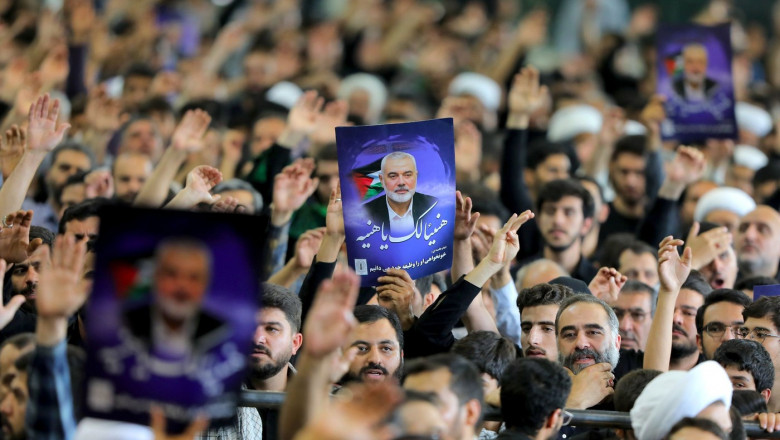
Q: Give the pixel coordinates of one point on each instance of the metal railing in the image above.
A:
(592, 418)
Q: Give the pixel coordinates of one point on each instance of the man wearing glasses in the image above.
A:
(719, 319)
(762, 320)
(634, 308)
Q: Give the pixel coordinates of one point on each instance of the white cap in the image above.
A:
(480, 86)
(674, 395)
(284, 93)
(753, 119)
(634, 128)
(372, 85)
(724, 198)
(750, 157)
(98, 429)
(573, 120)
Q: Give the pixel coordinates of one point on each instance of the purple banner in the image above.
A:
(171, 315)
(770, 290)
(398, 194)
(694, 74)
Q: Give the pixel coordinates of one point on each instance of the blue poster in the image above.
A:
(171, 315)
(398, 194)
(770, 290)
(694, 74)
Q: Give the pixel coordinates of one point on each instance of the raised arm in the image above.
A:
(673, 270)
(200, 182)
(187, 137)
(43, 134)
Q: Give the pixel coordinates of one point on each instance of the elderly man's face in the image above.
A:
(181, 279)
(585, 337)
(399, 178)
(634, 313)
(723, 217)
(695, 64)
(758, 240)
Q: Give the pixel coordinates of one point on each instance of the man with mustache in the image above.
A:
(276, 340)
(757, 242)
(402, 207)
(538, 306)
(378, 344)
(634, 308)
(694, 85)
(564, 216)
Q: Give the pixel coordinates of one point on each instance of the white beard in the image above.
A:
(177, 310)
(401, 198)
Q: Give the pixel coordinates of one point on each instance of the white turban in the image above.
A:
(284, 93)
(573, 120)
(724, 198)
(371, 84)
(753, 119)
(633, 128)
(480, 86)
(750, 157)
(674, 395)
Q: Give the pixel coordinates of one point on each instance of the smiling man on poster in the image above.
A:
(402, 207)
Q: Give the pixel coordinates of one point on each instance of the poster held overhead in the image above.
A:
(398, 194)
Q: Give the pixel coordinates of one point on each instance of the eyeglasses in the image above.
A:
(717, 329)
(758, 334)
(567, 416)
(636, 315)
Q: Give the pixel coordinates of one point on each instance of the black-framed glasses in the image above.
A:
(757, 334)
(567, 416)
(717, 329)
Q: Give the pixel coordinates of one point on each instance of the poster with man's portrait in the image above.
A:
(398, 195)
(694, 74)
(171, 315)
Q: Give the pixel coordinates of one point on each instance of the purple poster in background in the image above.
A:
(398, 194)
(171, 315)
(694, 74)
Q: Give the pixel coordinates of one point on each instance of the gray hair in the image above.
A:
(241, 185)
(397, 155)
(612, 353)
(633, 286)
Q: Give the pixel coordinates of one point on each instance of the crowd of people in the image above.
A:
(595, 264)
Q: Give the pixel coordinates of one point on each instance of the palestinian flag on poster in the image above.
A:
(366, 179)
(674, 64)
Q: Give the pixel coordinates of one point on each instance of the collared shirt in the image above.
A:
(693, 94)
(43, 214)
(401, 225)
(49, 413)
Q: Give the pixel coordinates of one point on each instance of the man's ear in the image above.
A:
(473, 413)
(529, 176)
(429, 298)
(698, 343)
(552, 420)
(586, 225)
(767, 393)
(603, 213)
(297, 341)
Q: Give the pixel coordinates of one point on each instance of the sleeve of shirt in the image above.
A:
(49, 413)
(318, 272)
(661, 220)
(507, 313)
(514, 193)
(278, 238)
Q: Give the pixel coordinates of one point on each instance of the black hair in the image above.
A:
(768, 173)
(424, 284)
(326, 153)
(750, 356)
(634, 286)
(539, 152)
(278, 297)
(716, 296)
(73, 146)
(20, 341)
(701, 424)
(543, 295)
(750, 282)
(44, 234)
(372, 313)
(156, 104)
(465, 382)
(613, 246)
(697, 283)
(748, 402)
(140, 69)
(764, 307)
(632, 144)
(74, 179)
(595, 182)
(630, 386)
(555, 190)
(532, 389)
(489, 351)
(82, 211)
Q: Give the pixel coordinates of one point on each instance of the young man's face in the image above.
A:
(328, 173)
(720, 317)
(562, 223)
(641, 267)
(684, 324)
(274, 344)
(378, 353)
(554, 167)
(83, 229)
(130, 174)
(13, 407)
(538, 332)
(438, 382)
(627, 173)
(68, 163)
(24, 279)
(763, 330)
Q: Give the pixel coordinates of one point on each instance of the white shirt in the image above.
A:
(692, 94)
(173, 342)
(401, 225)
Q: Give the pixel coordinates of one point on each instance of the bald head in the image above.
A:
(757, 242)
(538, 272)
(130, 173)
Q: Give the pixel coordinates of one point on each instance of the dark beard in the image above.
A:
(680, 351)
(266, 371)
(351, 377)
(27, 305)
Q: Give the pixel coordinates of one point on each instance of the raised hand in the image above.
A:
(58, 294)
(330, 319)
(525, 96)
(159, 428)
(465, 221)
(506, 244)
(303, 115)
(188, 135)
(333, 115)
(43, 133)
(708, 245)
(7, 311)
(687, 166)
(15, 244)
(200, 181)
(12, 149)
(606, 284)
(673, 270)
(226, 204)
(102, 111)
(99, 183)
(396, 292)
(334, 217)
(306, 247)
(292, 187)
(591, 386)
